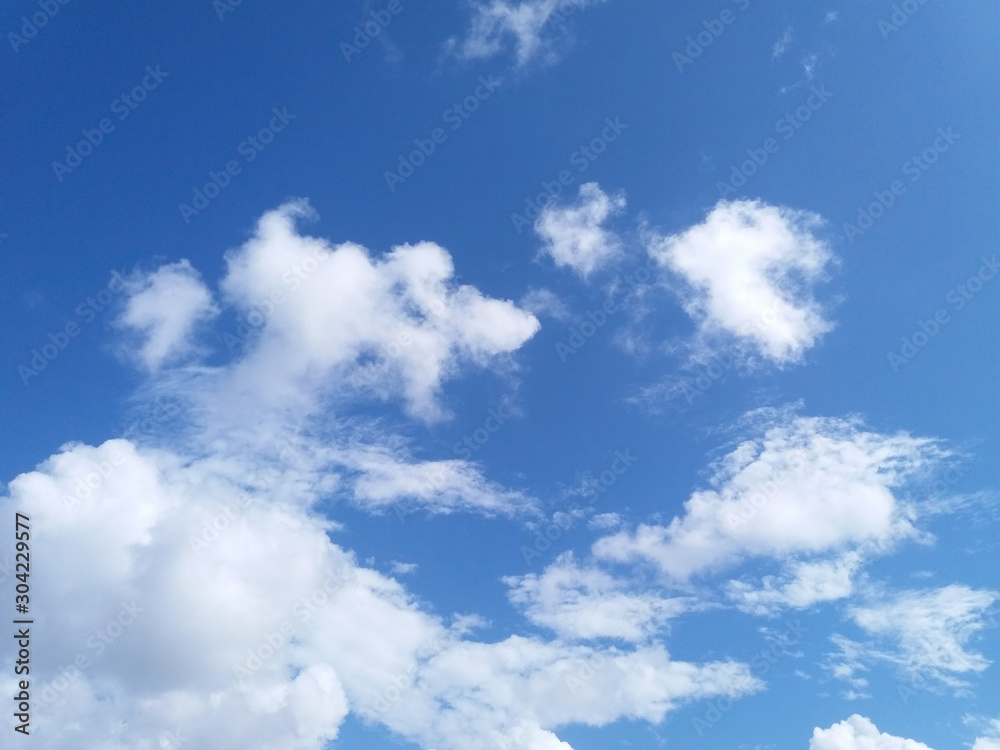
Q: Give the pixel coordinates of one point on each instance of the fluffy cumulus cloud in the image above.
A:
(167, 573)
(859, 733)
(397, 326)
(529, 24)
(992, 741)
(923, 632)
(199, 603)
(808, 487)
(586, 603)
(164, 308)
(321, 326)
(574, 235)
(745, 276)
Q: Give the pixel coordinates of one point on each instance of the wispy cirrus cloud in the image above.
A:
(921, 632)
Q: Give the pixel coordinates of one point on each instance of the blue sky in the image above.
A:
(705, 294)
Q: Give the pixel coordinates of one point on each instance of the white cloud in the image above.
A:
(989, 730)
(782, 44)
(802, 585)
(164, 308)
(926, 632)
(326, 328)
(809, 65)
(545, 302)
(384, 479)
(332, 318)
(496, 21)
(859, 733)
(745, 276)
(605, 521)
(528, 687)
(189, 615)
(586, 603)
(807, 486)
(574, 236)
(848, 665)
(992, 739)
(173, 573)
